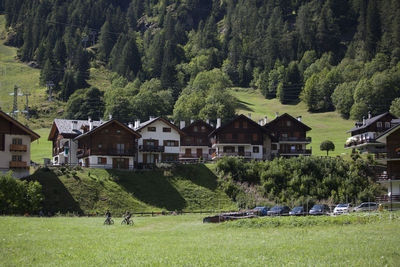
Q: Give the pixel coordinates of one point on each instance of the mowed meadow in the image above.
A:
(185, 241)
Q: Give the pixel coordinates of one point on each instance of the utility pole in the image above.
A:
(15, 103)
(50, 86)
(27, 104)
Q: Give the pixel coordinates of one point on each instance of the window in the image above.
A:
(2, 141)
(288, 123)
(195, 129)
(17, 141)
(228, 136)
(106, 130)
(255, 137)
(284, 135)
(99, 145)
(236, 125)
(166, 130)
(229, 149)
(118, 131)
(16, 158)
(120, 148)
(171, 143)
(245, 124)
(188, 139)
(379, 124)
(242, 136)
(256, 149)
(203, 129)
(387, 124)
(151, 129)
(274, 147)
(101, 161)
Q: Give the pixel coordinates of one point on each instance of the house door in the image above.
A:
(121, 163)
(199, 153)
(188, 152)
(87, 163)
(155, 158)
(144, 158)
(241, 150)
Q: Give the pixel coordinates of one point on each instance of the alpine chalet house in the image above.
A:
(241, 137)
(111, 145)
(391, 177)
(159, 142)
(364, 134)
(15, 146)
(290, 136)
(195, 144)
(62, 135)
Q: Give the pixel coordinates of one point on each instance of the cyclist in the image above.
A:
(127, 216)
(108, 215)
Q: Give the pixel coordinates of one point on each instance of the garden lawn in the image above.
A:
(41, 148)
(186, 241)
(325, 126)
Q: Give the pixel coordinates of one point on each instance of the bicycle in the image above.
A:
(128, 222)
(109, 222)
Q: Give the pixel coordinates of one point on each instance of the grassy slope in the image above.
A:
(325, 126)
(41, 148)
(187, 187)
(186, 241)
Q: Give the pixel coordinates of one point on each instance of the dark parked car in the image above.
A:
(261, 211)
(298, 211)
(279, 210)
(320, 210)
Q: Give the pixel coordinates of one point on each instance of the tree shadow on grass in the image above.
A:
(242, 105)
(57, 198)
(198, 174)
(150, 187)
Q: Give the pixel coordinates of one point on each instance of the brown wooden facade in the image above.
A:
(111, 139)
(196, 134)
(287, 128)
(378, 126)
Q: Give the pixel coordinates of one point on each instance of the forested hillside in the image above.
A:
(179, 56)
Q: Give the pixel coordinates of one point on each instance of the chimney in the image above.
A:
(265, 120)
(364, 121)
(90, 123)
(249, 116)
(151, 117)
(109, 117)
(208, 121)
(137, 124)
(218, 122)
(299, 118)
(369, 115)
(276, 114)
(130, 125)
(260, 122)
(191, 121)
(74, 125)
(182, 124)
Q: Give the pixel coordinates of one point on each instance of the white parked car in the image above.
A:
(342, 208)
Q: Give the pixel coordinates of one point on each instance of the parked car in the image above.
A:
(321, 209)
(342, 208)
(298, 211)
(366, 206)
(261, 211)
(279, 210)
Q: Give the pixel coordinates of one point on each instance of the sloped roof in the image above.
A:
(147, 123)
(290, 117)
(34, 136)
(215, 131)
(105, 125)
(384, 135)
(370, 121)
(64, 126)
(195, 122)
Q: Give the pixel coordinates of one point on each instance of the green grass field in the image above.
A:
(41, 148)
(325, 126)
(191, 187)
(186, 241)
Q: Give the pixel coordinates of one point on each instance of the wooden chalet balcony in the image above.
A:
(193, 156)
(361, 142)
(18, 165)
(295, 139)
(232, 154)
(106, 152)
(386, 198)
(385, 177)
(148, 148)
(237, 141)
(295, 152)
(19, 148)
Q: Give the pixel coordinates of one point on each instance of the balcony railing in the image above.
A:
(193, 156)
(148, 148)
(296, 152)
(106, 152)
(19, 148)
(385, 177)
(18, 164)
(232, 154)
(386, 198)
(380, 156)
(295, 139)
(360, 142)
